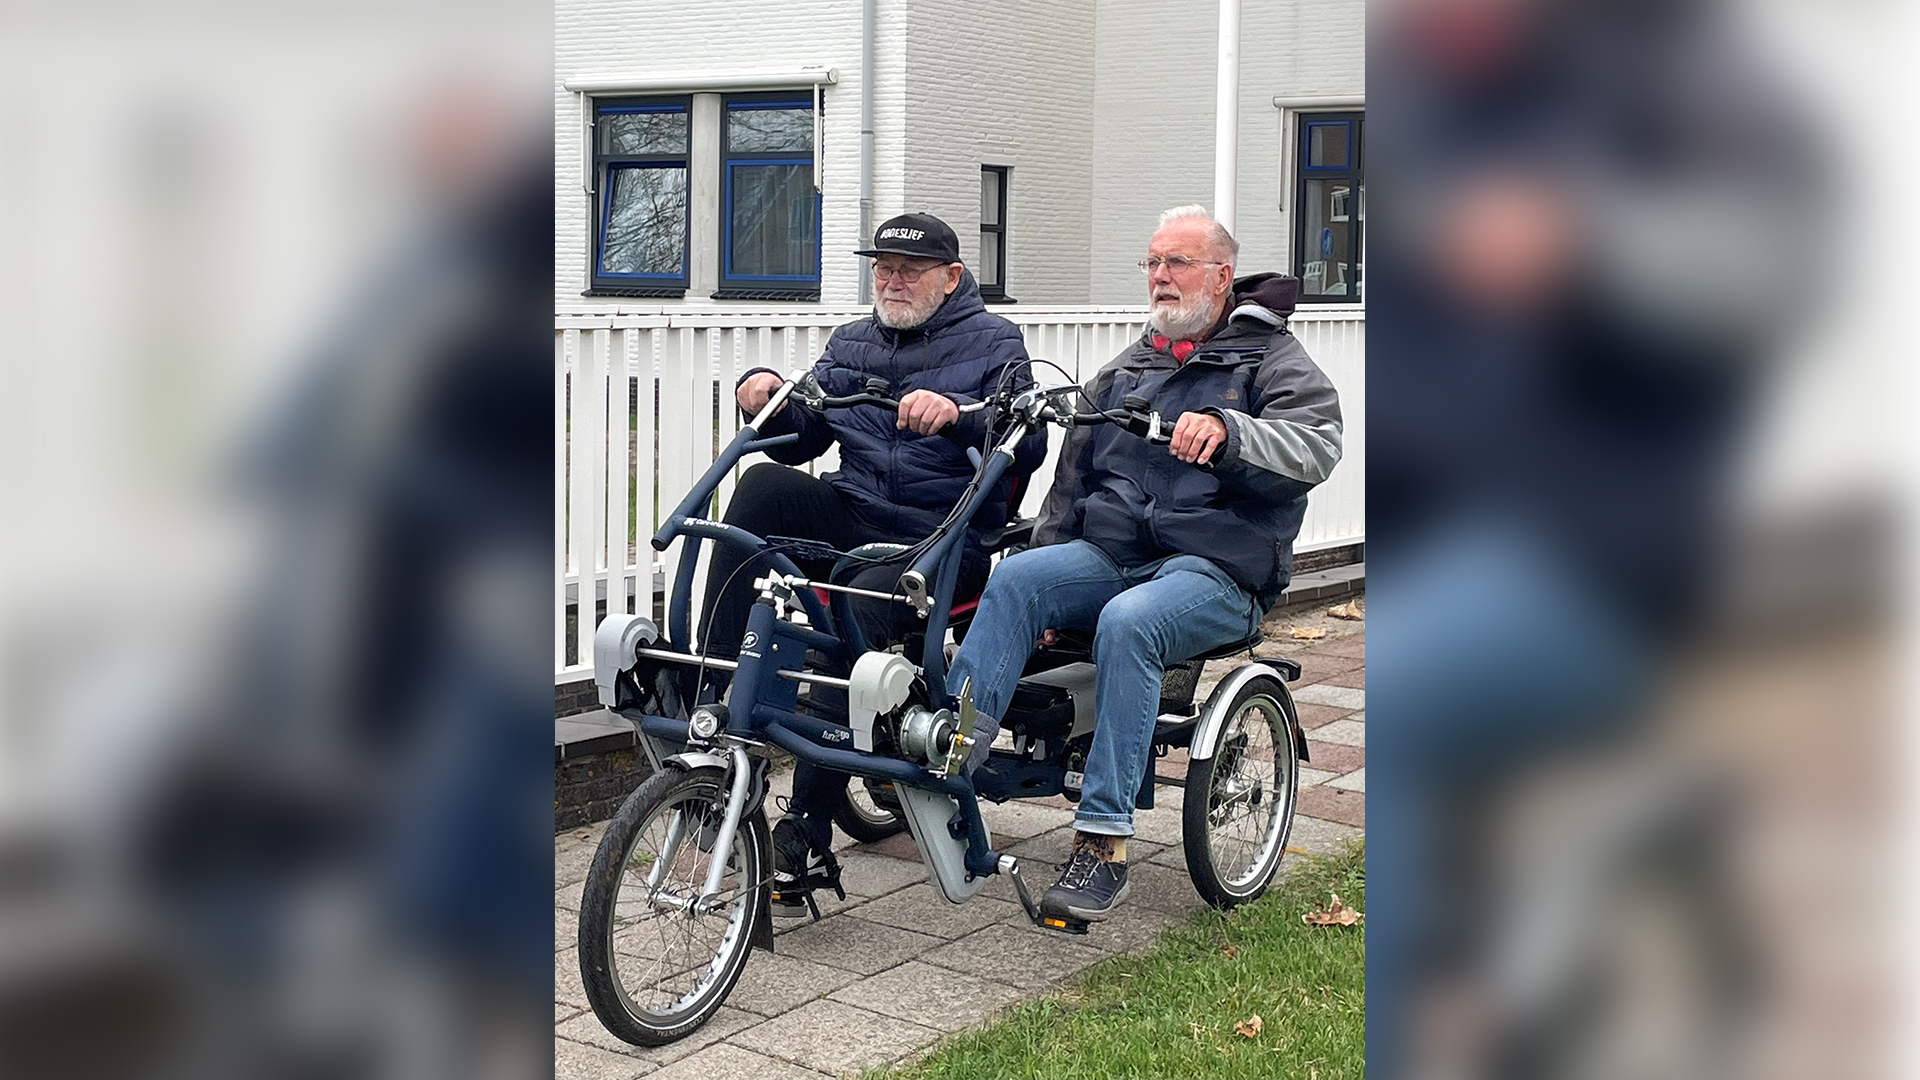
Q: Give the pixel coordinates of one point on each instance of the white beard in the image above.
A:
(1184, 321)
(920, 312)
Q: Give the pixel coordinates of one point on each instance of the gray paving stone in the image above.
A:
(1131, 928)
(774, 983)
(1353, 781)
(856, 944)
(1345, 697)
(564, 1011)
(1348, 732)
(933, 997)
(1021, 819)
(588, 1030)
(1317, 836)
(567, 897)
(725, 1061)
(1159, 826)
(566, 928)
(578, 1061)
(922, 909)
(1024, 957)
(865, 874)
(1047, 848)
(1157, 886)
(567, 986)
(571, 859)
(834, 1037)
(1310, 776)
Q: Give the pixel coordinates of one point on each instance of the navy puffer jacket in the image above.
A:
(901, 484)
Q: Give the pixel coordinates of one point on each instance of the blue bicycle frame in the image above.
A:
(773, 651)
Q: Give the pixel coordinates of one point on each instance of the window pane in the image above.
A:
(990, 197)
(990, 264)
(1325, 253)
(646, 222)
(775, 232)
(753, 131)
(643, 133)
(1326, 145)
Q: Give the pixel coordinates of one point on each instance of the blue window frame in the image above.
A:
(769, 207)
(642, 205)
(1330, 208)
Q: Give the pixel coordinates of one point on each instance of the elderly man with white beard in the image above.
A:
(1165, 552)
(932, 340)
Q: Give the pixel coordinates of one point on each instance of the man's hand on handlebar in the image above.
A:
(926, 412)
(754, 391)
(1197, 436)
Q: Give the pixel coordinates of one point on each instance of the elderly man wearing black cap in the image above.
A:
(936, 345)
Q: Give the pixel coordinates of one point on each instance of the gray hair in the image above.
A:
(1217, 235)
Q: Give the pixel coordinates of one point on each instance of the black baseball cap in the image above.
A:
(921, 236)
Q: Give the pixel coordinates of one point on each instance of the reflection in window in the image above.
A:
(640, 181)
(1330, 207)
(645, 226)
(774, 231)
(771, 208)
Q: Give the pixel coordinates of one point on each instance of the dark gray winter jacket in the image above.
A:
(1242, 510)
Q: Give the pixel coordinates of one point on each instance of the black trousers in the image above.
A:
(774, 500)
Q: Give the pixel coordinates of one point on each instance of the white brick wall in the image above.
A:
(691, 37)
(1104, 109)
(1006, 82)
(1154, 118)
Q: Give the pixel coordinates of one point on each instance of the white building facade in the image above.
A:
(1100, 113)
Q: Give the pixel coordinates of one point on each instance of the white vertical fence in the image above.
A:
(643, 402)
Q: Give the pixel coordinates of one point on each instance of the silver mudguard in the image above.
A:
(1213, 716)
(696, 759)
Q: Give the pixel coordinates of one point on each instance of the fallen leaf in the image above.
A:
(1231, 951)
(1308, 633)
(1250, 1027)
(582, 834)
(1352, 609)
(1334, 914)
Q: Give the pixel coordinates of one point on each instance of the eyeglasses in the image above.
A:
(1175, 264)
(904, 274)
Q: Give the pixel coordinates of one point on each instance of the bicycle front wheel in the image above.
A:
(658, 959)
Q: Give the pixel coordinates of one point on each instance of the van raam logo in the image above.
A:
(902, 234)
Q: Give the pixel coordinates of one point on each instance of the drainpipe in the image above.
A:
(1226, 132)
(866, 143)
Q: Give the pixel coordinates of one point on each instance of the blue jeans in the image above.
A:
(1143, 618)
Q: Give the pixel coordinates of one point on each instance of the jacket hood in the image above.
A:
(1270, 298)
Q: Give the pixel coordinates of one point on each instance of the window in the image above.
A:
(1330, 208)
(641, 206)
(992, 271)
(769, 208)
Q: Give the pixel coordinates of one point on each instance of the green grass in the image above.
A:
(1172, 1012)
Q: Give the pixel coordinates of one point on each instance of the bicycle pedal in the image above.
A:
(826, 876)
(1066, 925)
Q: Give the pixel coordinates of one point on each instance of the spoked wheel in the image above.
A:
(656, 960)
(862, 818)
(1239, 802)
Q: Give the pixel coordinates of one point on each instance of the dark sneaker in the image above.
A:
(1088, 888)
(798, 870)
